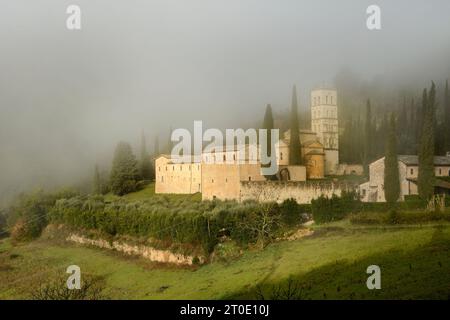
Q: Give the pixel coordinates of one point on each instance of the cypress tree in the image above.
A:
(402, 129)
(295, 151)
(447, 118)
(367, 155)
(145, 163)
(268, 124)
(97, 181)
(391, 174)
(156, 147)
(427, 145)
(124, 171)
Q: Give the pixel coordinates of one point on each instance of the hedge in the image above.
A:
(178, 221)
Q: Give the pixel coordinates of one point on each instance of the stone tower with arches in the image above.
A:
(324, 122)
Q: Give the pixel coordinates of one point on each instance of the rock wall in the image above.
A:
(150, 253)
(302, 192)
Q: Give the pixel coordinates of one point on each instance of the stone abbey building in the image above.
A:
(224, 175)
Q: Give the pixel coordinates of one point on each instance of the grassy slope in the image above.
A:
(149, 191)
(415, 263)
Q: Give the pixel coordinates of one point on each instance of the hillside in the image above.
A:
(331, 264)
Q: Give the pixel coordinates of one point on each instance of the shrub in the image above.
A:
(91, 289)
(399, 217)
(292, 212)
(326, 209)
(393, 217)
(367, 218)
(27, 217)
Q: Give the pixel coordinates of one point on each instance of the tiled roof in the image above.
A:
(412, 160)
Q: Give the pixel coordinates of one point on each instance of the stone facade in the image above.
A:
(324, 122)
(184, 178)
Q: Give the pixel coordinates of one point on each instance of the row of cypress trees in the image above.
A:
(427, 147)
(364, 133)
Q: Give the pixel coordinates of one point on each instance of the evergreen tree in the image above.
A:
(295, 151)
(345, 145)
(169, 146)
(97, 181)
(447, 118)
(367, 155)
(427, 145)
(145, 163)
(124, 171)
(156, 152)
(391, 174)
(403, 129)
(268, 125)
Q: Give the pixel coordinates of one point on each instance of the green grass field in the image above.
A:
(149, 191)
(331, 264)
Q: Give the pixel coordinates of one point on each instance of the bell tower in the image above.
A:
(324, 122)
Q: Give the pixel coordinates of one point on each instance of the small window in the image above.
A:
(159, 168)
(412, 171)
(281, 155)
(212, 180)
(226, 180)
(166, 168)
(440, 171)
(173, 168)
(249, 178)
(181, 167)
(162, 179)
(224, 158)
(234, 157)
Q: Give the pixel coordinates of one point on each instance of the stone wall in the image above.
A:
(164, 256)
(345, 169)
(221, 181)
(302, 192)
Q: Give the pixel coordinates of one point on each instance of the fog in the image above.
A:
(67, 97)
